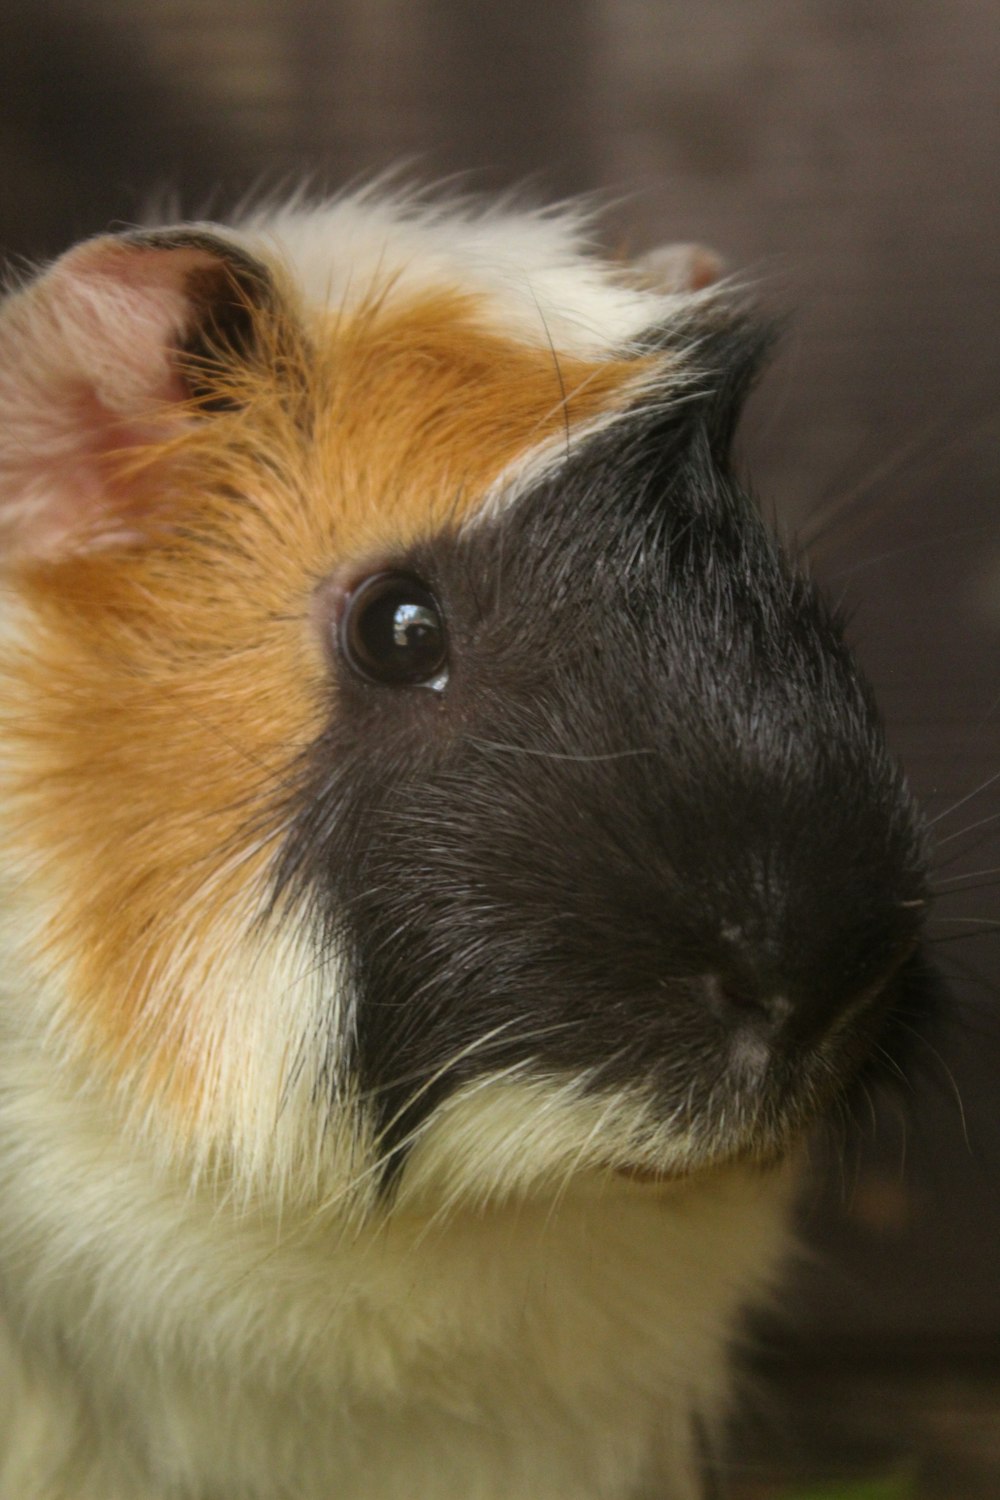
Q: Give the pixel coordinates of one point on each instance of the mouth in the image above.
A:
(763, 1139)
(764, 1158)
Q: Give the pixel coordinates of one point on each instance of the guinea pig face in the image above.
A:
(617, 813)
(424, 773)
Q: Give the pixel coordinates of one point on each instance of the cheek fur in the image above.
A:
(160, 694)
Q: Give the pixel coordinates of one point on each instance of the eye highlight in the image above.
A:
(392, 632)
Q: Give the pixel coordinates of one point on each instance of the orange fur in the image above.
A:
(172, 682)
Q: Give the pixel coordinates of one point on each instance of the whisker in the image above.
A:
(564, 401)
(977, 791)
(446, 1067)
(346, 1191)
(906, 549)
(558, 1197)
(854, 504)
(980, 823)
(891, 1063)
(954, 937)
(846, 505)
(949, 1076)
(968, 921)
(972, 975)
(972, 875)
(417, 1074)
(562, 755)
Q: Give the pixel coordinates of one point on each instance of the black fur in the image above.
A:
(652, 805)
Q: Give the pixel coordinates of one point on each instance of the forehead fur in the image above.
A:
(532, 272)
(159, 693)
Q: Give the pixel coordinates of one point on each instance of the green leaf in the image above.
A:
(896, 1487)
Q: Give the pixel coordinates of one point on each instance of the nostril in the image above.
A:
(737, 998)
(742, 1004)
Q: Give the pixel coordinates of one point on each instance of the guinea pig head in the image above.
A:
(604, 813)
(421, 756)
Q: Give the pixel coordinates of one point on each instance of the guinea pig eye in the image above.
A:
(391, 631)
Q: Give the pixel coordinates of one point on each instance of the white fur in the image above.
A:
(231, 1317)
(176, 1346)
(532, 269)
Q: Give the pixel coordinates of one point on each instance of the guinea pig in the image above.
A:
(449, 858)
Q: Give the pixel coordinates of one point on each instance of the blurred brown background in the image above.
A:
(846, 152)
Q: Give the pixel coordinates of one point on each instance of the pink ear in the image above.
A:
(89, 367)
(679, 268)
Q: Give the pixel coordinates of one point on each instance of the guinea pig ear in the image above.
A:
(100, 355)
(678, 268)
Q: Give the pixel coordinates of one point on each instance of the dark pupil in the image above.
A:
(392, 630)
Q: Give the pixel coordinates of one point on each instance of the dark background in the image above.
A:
(846, 153)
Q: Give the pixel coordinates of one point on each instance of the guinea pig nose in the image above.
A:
(742, 1004)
